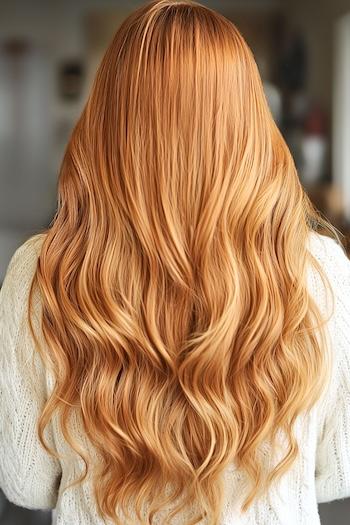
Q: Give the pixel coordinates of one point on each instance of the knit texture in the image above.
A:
(31, 478)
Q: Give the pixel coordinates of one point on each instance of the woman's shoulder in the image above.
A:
(18, 278)
(332, 294)
(331, 255)
(30, 248)
(23, 260)
(327, 249)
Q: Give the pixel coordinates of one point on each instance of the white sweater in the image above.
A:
(31, 478)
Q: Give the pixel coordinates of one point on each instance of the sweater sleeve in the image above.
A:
(332, 474)
(29, 476)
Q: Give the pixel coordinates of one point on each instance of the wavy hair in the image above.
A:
(173, 277)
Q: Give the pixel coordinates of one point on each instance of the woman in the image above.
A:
(185, 353)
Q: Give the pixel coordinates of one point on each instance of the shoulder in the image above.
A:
(27, 253)
(17, 347)
(330, 255)
(332, 296)
(330, 290)
(23, 261)
(327, 250)
(18, 277)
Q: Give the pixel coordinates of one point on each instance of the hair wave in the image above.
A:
(173, 276)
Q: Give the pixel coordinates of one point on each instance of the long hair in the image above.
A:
(173, 277)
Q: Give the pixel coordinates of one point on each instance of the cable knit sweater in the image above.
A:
(31, 478)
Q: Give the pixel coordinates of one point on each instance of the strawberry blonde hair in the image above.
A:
(173, 277)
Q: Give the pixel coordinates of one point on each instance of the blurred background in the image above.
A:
(49, 52)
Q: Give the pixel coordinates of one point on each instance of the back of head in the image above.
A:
(173, 277)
